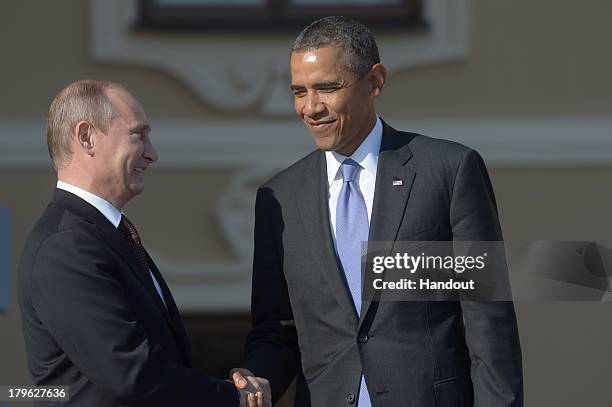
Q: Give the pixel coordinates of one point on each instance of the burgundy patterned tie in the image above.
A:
(129, 232)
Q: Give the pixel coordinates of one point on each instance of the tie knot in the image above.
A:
(128, 230)
(349, 170)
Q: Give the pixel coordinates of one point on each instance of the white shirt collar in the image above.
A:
(106, 208)
(366, 154)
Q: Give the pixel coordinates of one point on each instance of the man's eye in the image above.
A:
(298, 93)
(330, 89)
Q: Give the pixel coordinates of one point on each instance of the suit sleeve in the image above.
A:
(80, 299)
(490, 326)
(271, 350)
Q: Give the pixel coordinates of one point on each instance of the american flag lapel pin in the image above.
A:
(398, 182)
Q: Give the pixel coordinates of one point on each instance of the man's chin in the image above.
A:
(136, 189)
(324, 144)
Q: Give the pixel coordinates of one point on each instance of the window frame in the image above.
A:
(276, 15)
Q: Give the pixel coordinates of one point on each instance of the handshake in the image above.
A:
(254, 391)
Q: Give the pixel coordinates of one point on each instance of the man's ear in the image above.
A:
(84, 135)
(378, 78)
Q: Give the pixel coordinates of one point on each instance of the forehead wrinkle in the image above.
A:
(126, 106)
(319, 68)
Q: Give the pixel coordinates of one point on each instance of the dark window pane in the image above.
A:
(274, 15)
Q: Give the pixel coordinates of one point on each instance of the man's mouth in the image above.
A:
(320, 124)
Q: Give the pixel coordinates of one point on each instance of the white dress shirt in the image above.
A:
(366, 156)
(108, 210)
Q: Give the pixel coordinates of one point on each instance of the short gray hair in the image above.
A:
(83, 100)
(354, 38)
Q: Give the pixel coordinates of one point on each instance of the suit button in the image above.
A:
(363, 338)
(350, 398)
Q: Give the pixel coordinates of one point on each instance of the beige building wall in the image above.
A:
(542, 59)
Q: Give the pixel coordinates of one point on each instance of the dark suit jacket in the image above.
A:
(417, 354)
(93, 320)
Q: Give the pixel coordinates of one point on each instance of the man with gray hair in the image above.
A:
(97, 314)
(368, 182)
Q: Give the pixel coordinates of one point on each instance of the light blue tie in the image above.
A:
(351, 231)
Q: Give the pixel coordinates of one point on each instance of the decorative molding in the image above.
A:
(231, 74)
(261, 148)
(514, 143)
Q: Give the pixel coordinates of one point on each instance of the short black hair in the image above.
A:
(354, 38)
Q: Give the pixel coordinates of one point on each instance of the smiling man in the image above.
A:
(370, 182)
(97, 314)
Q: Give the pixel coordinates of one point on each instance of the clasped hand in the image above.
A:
(254, 391)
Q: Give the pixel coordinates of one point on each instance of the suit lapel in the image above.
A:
(312, 200)
(111, 235)
(181, 333)
(169, 309)
(390, 198)
(118, 243)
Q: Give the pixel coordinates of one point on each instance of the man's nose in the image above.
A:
(150, 153)
(313, 104)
